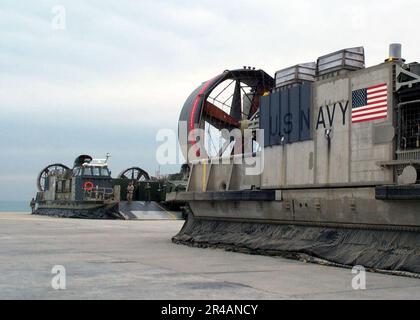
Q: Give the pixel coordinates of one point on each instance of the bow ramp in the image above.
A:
(143, 210)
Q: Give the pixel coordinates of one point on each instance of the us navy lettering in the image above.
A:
(328, 113)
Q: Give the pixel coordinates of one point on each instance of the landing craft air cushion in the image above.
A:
(340, 162)
(88, 191)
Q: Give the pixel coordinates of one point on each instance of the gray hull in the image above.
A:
(335, 206)
(80, 211)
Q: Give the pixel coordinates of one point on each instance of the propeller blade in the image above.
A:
(236, 108)
(214, 112)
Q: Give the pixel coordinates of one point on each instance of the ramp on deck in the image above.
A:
(143, 210)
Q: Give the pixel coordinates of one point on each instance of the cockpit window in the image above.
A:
(96, 171)
(77, 172)
(104, 172)
(87, 171)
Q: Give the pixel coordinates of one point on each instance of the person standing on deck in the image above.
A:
(32, 204)
(148, 191)
(130, 192)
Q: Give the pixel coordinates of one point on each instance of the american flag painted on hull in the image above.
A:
(370, 103)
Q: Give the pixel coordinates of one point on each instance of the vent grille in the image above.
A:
(408, 155)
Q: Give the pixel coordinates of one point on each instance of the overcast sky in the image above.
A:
(122, 69)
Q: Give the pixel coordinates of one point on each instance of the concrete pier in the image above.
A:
(137, 260)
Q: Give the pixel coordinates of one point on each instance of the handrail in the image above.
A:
(99, 193)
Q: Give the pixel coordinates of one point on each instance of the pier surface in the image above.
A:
(137, 260)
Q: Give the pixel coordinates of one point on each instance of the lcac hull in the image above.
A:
(79, 209)
(336, 206)
(339, 226)
(334, 172)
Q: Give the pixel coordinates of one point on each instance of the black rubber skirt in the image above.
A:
(389, 251)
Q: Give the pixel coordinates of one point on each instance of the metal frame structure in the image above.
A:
(401, 71)
(206, 105)
(52, 169)
(135, 174)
